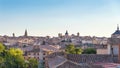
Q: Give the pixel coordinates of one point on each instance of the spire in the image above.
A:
(66, 32)
(13, 34)
(26, 33)
(78, 34)
(117, 27)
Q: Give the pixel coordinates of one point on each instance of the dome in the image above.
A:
(117, 31)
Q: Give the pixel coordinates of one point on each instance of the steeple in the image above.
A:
(117, 27)
(13, 34)
(66, 32)
(26, 33)
(78, 34)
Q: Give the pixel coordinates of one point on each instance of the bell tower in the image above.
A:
(66, 33)
(117, 27)
(26, 34)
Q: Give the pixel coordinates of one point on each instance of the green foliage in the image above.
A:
(33, 63)
(70, 49)
(78, 51)
(89, 51)
(16, 52)
(1, 60)
(1, 47)
(13, 58)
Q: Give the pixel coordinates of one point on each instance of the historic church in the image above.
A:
(116, 34)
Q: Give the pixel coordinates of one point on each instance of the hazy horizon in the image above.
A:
(50, 17)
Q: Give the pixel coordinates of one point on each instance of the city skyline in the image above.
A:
(50, 17)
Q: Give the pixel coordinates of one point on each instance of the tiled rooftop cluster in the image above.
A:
(72, 65)
(77, 61)
(55, 54)
(92, 58)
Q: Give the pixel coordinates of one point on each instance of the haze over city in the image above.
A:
(50, 17)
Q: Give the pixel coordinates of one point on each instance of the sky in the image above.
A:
(50, 17)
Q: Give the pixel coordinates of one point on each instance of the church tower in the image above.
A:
(66, 34)
(78, 34)
(26, 34)
(117, 27)
(116, 34)
(13, 34)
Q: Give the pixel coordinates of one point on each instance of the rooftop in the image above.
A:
(80, 61)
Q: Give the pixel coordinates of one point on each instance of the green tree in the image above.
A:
(78, 51)
(13, 58)
(1, 47)
(89, 51)
(70, 49)
(1, 61)
(15, 52)
(33, 63)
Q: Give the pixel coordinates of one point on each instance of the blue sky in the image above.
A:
(50, 17)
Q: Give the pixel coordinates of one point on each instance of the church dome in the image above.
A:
(117, 32)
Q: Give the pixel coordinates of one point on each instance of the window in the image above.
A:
(29, 53)
(34, 53)
(37, 53)
(38, 57)
(43, 53)
(43, 58)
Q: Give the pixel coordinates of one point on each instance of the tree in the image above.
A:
(89, 51)
(1, 47)
(78, 51)
(1, 61)
(15, 52)
(33, 63)
(13, 58)
(70, 49)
